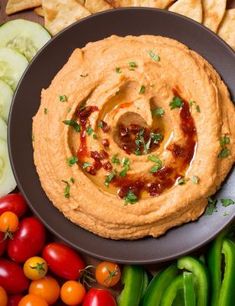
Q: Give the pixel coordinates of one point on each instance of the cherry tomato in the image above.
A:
(63, 261)
(47, 288)
(99, 297)
(32, 300)
(3, 297)
(12, 277)
(72, 293)
(3, 243)
(15, 203)
(28, 241)
(14, 300)
(9, 222)
(107, 274)
(35, 268)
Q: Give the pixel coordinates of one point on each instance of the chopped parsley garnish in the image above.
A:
(73, 124)
(72, 160)
(224, 140)
(132, 65)
(109, 178)
(155, 168)
(227, 202)
(130, 198)
(225, 152)
(126, 166)
(142, 90)
(156, 137)
(176, 103)
(89, 130)
(95, 136)
(140, 141)
(63, 98)
(45, 111)
(157, 161)
(72, 180)
(118, 70)
(197, 107)
(181, 181)
(66, 189)
(195, 179)
(84, 75)
(154, 56)
(158, 112)
(212, 206)
(115, 159)
(86, 165)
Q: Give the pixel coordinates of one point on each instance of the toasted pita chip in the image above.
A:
(39, 11)
(227, 28)
(214, 11)
(61, 13)
(144, 3)
(14, 6)
(97, 6)
(188, 8)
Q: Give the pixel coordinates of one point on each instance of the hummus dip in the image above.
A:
(133, 135)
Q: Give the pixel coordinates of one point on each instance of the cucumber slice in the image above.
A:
(6, 95)
(7, 180)
(3, 129)
(24, 36)
(12, 66)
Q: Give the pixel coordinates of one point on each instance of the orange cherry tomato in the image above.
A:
(47, 288)
(107, 274)
(9, 222)
(3, 297)
(35, 268)
(72, 293)
(32, 300)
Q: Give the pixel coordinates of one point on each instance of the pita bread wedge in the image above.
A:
(97, 6)
(227, 28)
(214, 11)
(61, 13)
(39, 11)
(144, 3)
(188, 8)
(14, 6)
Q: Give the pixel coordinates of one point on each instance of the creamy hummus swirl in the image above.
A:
(133, 135)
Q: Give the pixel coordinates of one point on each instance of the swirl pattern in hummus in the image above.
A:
(133, 135)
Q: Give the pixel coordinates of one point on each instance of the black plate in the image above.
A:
(41, 71)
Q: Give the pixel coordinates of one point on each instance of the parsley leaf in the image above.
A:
(73, 124)
(212, 206)
(118, 70)
(224, 140)
(63, 98)
(227, 202)
(158, 112)
(109, 178)
(72, 160)
(66, 189)
(142, 89)
(132, 65)
(154, 56)
(225, 152)
(115, 159)
(157, 161)
(45, 111)
(126, 166)
(89, 130)
(86, 165)
(176, 103)
(130, 198)
(181, 181)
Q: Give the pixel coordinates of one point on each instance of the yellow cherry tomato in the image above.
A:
(107, 274)
(47, 288)
(32, 300)
(35, 268)
(3, 297)
(9, 222)
(72, 293)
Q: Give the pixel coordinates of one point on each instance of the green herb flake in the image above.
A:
(72, 161)
(89, 130)
(63, 98)
(132, 65)
(109, 178)
(154, 56)
(95, 136)
(45, 111)
(73, 124)
(115, 159)
(142, 90)
(66, 189)
(224, 140)
(118, 70)
(130, 198)
(126, 166)
(227, 202)
(176, 103)
(195, 179)
(198, 108)
(101, 124)
(86, 165)
(72, 180)
(225, 152)
(181, 181)
(156, 137)
(211, 207)
(158, 112)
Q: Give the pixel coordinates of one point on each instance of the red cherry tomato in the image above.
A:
(12, 277)
(14, 300)
(63, 261)
(3, 243)
(99, 297)
(28, 241)
(15, 203)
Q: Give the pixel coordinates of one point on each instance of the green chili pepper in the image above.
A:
(200, 276)
(134, 281)
(227, 291)
(214, 261)
(189, 291)
(158, 285)
(171, 291)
